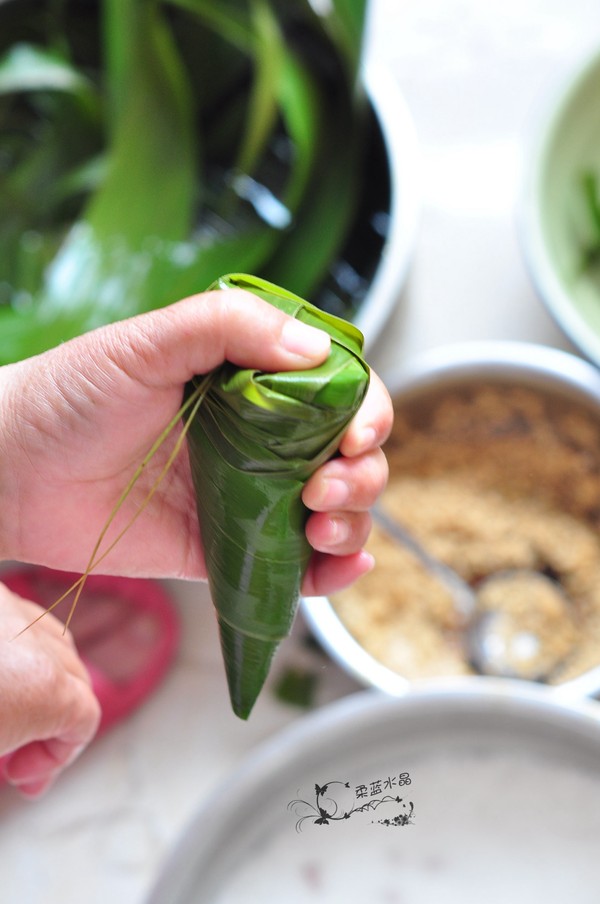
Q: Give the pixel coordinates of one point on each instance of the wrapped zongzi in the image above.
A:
(254, 441)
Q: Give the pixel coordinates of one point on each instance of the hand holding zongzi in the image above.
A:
(75, 421)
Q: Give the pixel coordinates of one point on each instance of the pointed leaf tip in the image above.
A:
(247, 663)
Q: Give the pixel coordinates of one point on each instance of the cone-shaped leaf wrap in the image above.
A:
(254, 442)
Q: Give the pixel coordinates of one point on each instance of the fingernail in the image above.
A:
(367, 561)
(304, 340)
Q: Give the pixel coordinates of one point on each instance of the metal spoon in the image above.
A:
(495, 640)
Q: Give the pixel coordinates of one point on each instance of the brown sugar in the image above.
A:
(489, 480)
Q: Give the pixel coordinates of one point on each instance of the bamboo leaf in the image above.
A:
(323, 221)
(139, 242)
(253, 444)
(262, 103)
(339, 23)
(153, 131)
(297, 686)
(230, 20)
(345, 21)
(104, 270)
(301, 111)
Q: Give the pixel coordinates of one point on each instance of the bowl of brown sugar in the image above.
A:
(494, 470)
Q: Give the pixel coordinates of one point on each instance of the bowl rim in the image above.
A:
(402, 146)
(356, 716)
(540, 365)
(528, 215)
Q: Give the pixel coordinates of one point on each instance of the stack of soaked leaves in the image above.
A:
(148, 146)
(254, 441)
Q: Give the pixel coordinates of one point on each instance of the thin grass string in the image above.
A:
(193, 402)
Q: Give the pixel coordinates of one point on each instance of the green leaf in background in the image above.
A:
(297, 687)
(207, 137)
(105, 269)
(37, 185)
(347, 19)
(268, 51)
(254, 442)
(154, 143)
(321, 226)
(591, 205)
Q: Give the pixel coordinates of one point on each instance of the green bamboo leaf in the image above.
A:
(83, 178)
(105, 268)
(254, 442)
(153, 131)
(345, 21)
(297, 686)
(163, 272)
(42, 187)
(112, 267)
(323, 221)
(251, 247)
(279, 86)
(282, 83)
(301, 110)
(70, 118)
(339, 23)
(268, 53)
(230, 20)
(137, 248)
(591, 198)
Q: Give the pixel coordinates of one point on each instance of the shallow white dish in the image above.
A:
(503, 805)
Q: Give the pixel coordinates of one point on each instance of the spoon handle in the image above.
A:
(461, 591)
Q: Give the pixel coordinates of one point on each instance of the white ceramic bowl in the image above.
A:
(400, 139)
(503, 805)
(552, 223)
(523, 364)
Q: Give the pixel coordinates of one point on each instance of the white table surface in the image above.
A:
(475, 75)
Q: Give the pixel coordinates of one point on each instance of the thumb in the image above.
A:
(197, 334)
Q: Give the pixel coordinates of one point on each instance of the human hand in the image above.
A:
(76, 421)
(48, 711)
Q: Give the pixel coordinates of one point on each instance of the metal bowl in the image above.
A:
(466, 791)
(554, 372)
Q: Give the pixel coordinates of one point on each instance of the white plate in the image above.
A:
(503, 805)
